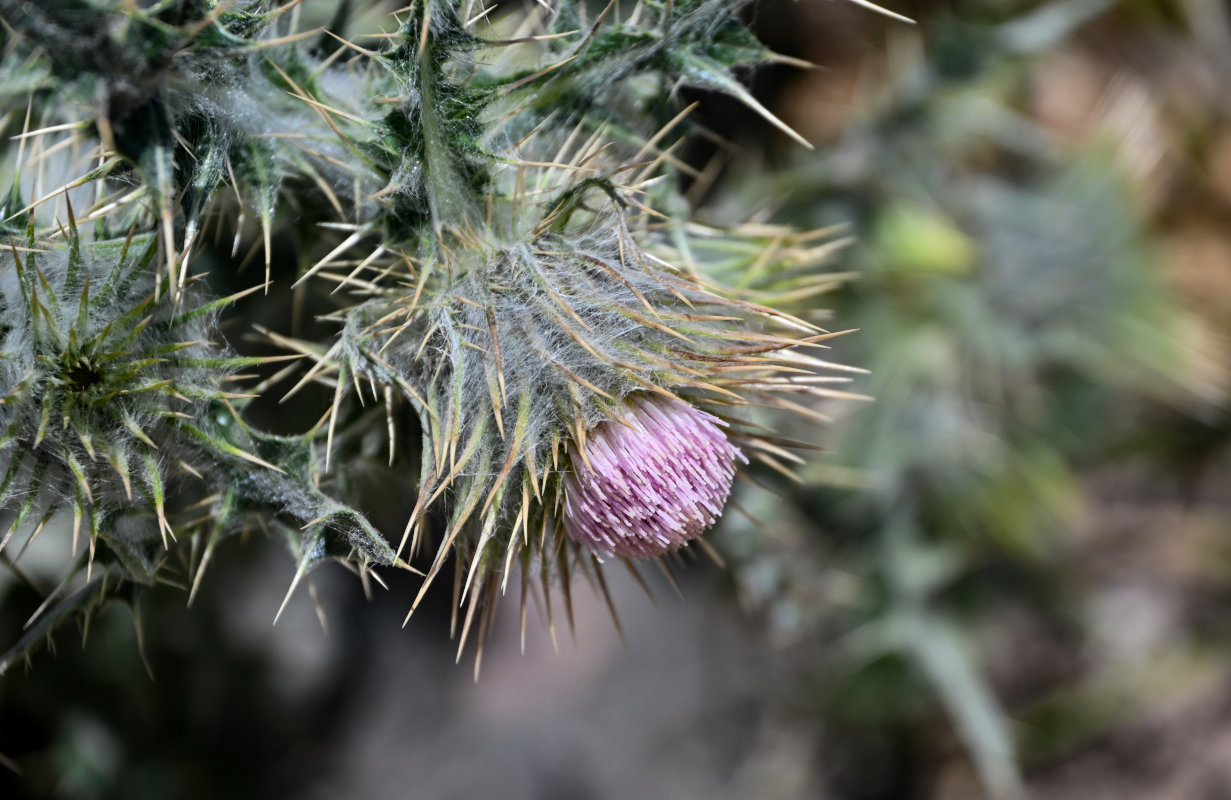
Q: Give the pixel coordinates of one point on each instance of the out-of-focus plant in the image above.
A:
(1014, 320)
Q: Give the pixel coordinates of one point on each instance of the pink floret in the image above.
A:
(654, 481)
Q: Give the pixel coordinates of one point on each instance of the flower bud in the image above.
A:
(650, 482)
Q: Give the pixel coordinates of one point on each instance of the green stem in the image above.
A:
(448, 202)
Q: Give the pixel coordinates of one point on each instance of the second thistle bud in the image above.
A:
(650, 482)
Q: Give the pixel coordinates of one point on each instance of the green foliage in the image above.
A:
(1014, 324)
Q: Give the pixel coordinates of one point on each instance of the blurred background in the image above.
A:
(1009, 576)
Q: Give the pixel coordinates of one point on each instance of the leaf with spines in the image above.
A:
(654, 49)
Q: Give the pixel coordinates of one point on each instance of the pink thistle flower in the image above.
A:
(650, 482)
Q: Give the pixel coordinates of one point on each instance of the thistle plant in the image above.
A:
(487, 205)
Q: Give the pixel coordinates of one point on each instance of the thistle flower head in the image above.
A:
(113, 406)
(651, 482)
(525, 295)
(100, 380)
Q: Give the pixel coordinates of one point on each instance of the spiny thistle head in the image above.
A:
(649, 482)
(105, 381)
(520, 351)
(115, 408)
(524, 289)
